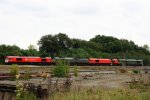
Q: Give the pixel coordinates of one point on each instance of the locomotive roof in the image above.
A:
(130, 60)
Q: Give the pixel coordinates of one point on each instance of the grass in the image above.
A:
(101, 94)
(140, 82)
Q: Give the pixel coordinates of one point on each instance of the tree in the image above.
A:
(54, 45)
(31, 51)
(145, 46)
(31, 47)
(7, 50)
(108, 44)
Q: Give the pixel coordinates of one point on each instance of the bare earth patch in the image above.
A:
(110, 81)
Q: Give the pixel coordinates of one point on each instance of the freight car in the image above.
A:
(27, 60)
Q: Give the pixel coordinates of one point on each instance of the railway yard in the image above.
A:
(106, 77)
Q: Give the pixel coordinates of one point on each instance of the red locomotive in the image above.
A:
(27, 60)
(99, 61)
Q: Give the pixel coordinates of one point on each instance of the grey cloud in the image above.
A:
(78, 18)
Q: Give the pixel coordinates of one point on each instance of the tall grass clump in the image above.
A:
(76, 71)
(62, 68)
(14, 70)
(135, 71)
(122, 70)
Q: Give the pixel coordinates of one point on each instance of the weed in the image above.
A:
(122, 70)
(141, 82)
(14, 70)
(76, 71)
(100, 94)
(21, 93)
(62, 68)
(135, 71)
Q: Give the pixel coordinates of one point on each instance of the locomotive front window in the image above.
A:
(19, 59)
(96, 60)
(43, 59)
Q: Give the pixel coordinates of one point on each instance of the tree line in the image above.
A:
(60, 45)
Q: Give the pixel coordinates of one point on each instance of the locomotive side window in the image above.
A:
(19, 59)
(96, 60)
(43, 59)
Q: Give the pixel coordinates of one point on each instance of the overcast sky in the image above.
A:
(24, 22)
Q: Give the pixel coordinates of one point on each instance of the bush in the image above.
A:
(62, 68)
(136, 71)
(14, 69)
(22, 93)
(122, 70)
(76, 71)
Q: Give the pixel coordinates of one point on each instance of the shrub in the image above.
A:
(76, 71)
(136, 71)
(21, 93)
(122, 70)
(14, 70)
(62, 68)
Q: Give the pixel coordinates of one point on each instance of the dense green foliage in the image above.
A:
(54, 45)
(60, 45)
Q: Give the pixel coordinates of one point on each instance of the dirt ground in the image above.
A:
(105, 80)
(108, 81)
